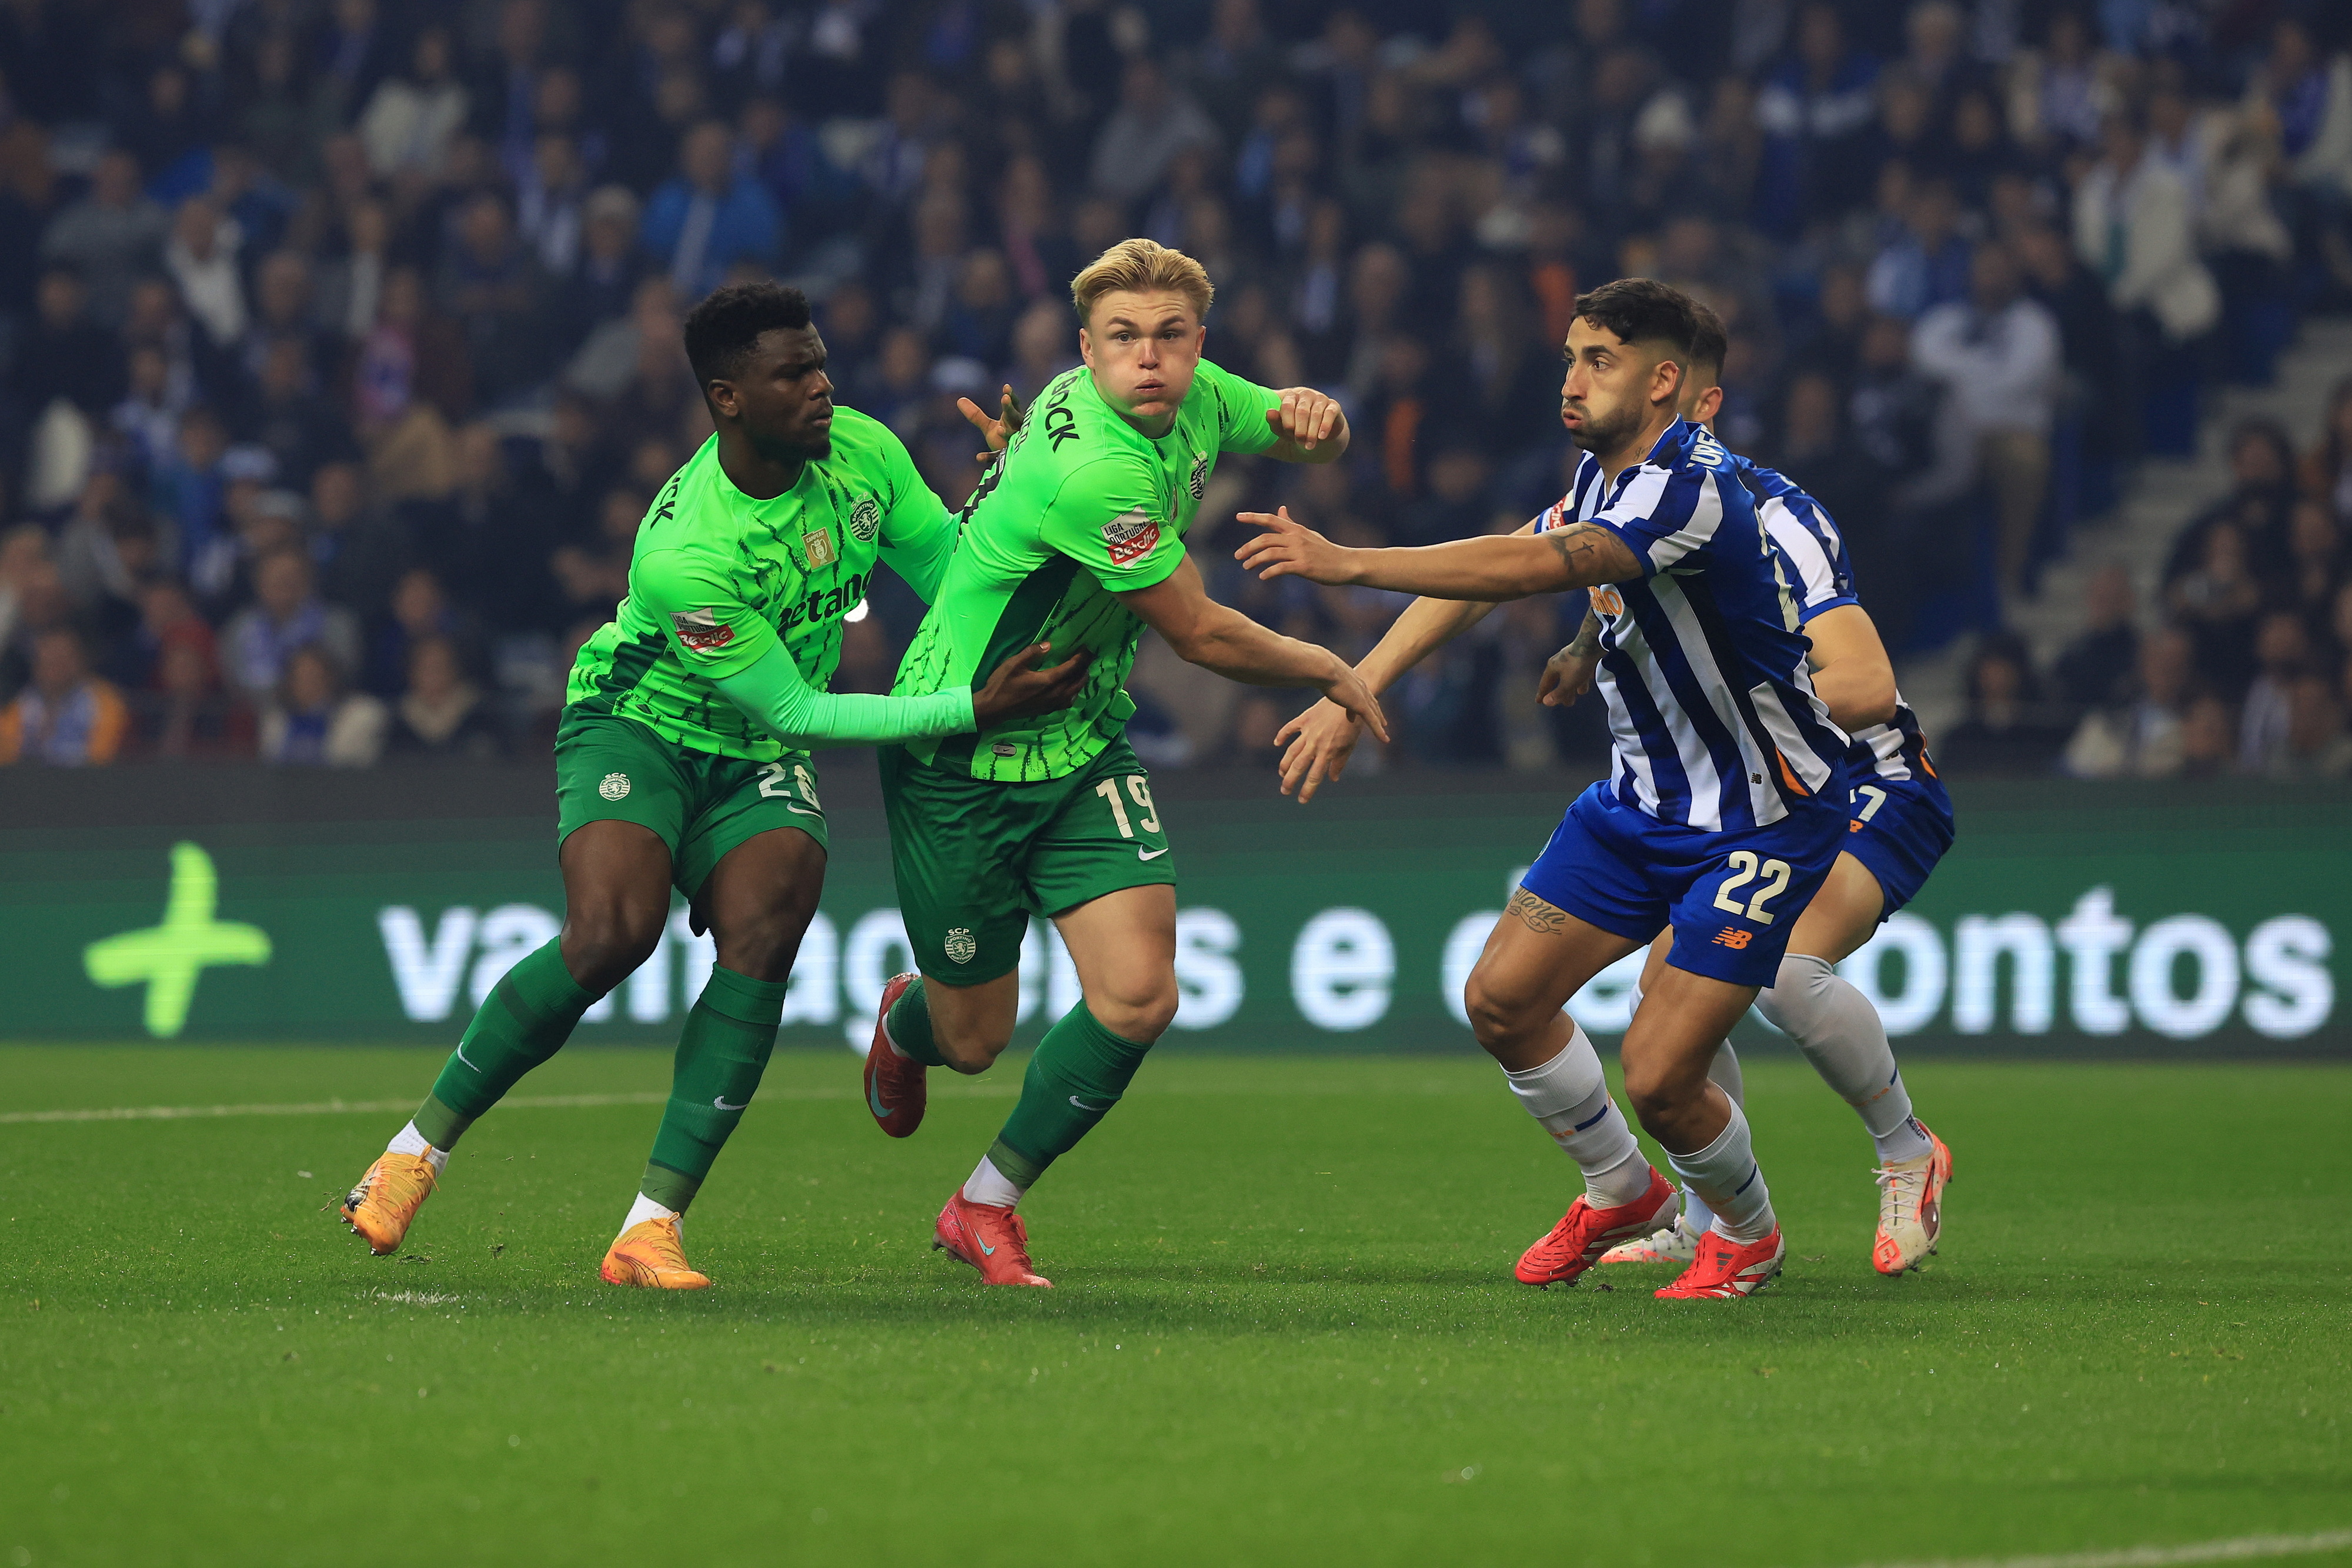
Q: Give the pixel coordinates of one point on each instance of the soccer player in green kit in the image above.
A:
(681, 760)
(1076, 537)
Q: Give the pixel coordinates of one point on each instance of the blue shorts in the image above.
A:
(1901, 828)
(1732, 897)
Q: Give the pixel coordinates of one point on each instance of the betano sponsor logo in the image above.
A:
(2099, 970)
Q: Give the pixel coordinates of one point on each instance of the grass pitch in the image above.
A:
(1283, 1329)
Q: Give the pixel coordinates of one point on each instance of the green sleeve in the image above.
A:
(773, 694)
(918, 533)
(693, 597)
(1107, 516)
(1243, 406)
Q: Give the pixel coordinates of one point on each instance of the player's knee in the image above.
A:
(1796, 994)
(1141, 1012)
(604, 943)
(968, 1047)
(763, 945)
(1495, 1016)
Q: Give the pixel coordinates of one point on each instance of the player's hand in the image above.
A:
(1023, 687)
(1290, 549)
(1567, 676)
(1349, 690)
(1306, 417)
(1320, 741)
(997, 429)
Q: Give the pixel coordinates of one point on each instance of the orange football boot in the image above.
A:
(387, 1198)
(652, 1253)
(1726, 1268)
(1911, 1207)
(991, 1238)
(1584, 1233)
(894, 1083)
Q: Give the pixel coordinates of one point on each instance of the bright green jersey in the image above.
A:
(1081, 508)
(717, 578)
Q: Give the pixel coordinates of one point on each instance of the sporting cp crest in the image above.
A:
(1199, 483)
(961, 946)
(865, 520)
(615, 786)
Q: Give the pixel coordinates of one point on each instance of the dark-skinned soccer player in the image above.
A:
(682, 759)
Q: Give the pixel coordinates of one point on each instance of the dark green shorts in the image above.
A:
(974, 860)
(615, 769)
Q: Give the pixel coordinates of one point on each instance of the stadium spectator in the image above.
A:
(442, 715)
(110, 236)
(312, 722)
(2142, 737)
(709, 216)
(2097, 669)
(1998, 356)
(286, 614)
(2008, 728)
(65, 717)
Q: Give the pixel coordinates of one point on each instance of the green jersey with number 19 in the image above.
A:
(716, 578)
(1081, 508)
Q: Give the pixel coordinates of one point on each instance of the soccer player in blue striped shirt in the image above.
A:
(1725, 811)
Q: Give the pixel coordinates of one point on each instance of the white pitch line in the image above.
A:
(2236, 1550)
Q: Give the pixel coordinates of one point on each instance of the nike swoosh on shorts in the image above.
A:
(1084, 1106)
(721, 1101)
(1151, 854)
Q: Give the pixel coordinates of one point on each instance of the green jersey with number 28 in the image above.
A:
(716, 578)
(1081, 507)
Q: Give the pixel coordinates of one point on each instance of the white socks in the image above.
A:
(411, 1141)
(1570, 1096)
(1840, 1035)
(989, 1185)
(646, 1208)
(1724, 1174)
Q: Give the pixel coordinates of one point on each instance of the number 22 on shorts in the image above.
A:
(1746, 868)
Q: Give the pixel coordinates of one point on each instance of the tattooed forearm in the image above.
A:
(1587, 641)
(1579, 546)
(1534, 913)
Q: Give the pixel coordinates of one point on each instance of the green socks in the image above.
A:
(1077, 1073)
(522, 1023)
(720, 1057)
(909, 1023)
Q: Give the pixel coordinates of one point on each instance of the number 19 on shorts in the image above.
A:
(1138, 790)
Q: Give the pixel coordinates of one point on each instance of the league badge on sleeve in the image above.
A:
(1131, 536)
(701, 631)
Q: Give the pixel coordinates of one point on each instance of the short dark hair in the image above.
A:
(1710, 343)
(722, 331)
(1643, 310)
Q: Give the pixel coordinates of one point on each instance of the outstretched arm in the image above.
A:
(1220, 638)
(1309, 426)
(772, 693)
(1490, 569)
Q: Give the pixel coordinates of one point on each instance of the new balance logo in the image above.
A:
(1733, 937)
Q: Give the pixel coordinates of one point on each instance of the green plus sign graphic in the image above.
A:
(170, 956)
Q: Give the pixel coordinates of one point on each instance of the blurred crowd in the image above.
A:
(2245, 665)
(339, 350)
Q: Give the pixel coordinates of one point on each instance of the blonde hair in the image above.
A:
(1141, 266)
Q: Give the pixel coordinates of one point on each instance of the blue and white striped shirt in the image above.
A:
(1713, 715)
(1823, 575)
